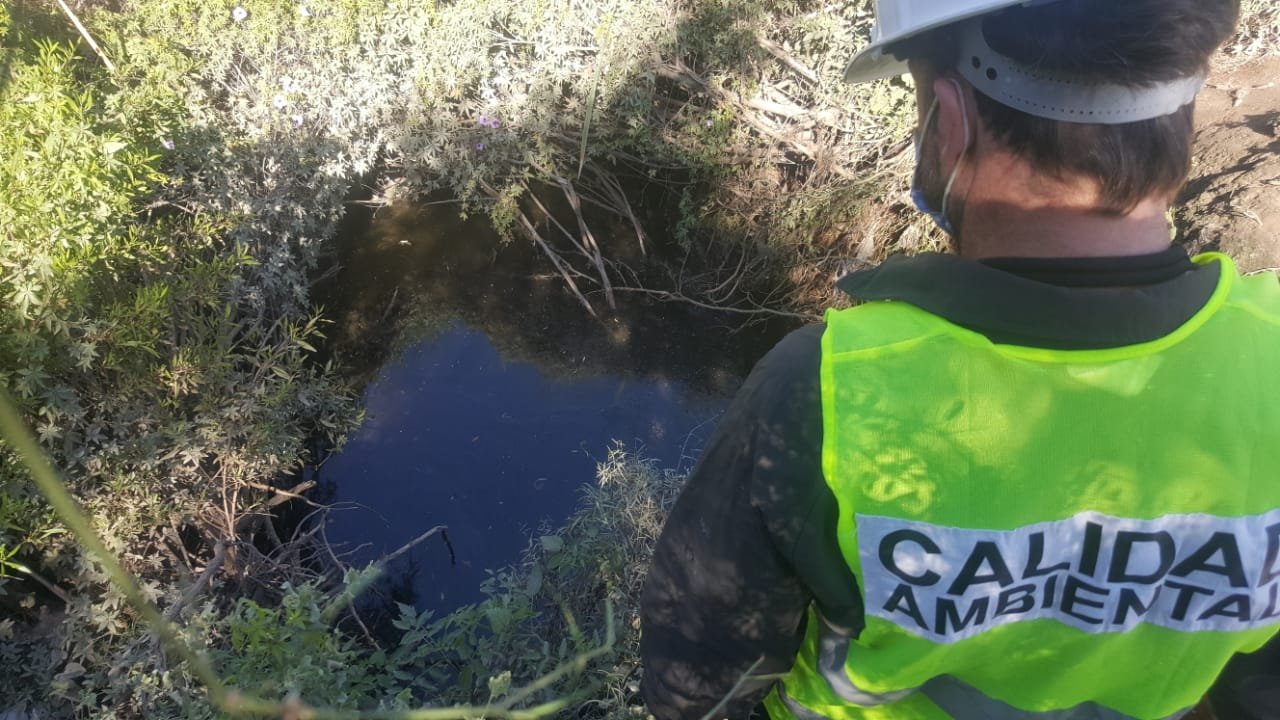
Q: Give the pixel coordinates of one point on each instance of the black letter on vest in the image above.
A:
(1129, 600)
(1023, 596)
(1036, 557)
(1089, 553)
(1125, 540)
(1050, 591)
(1071, 597)
(890, 543)
(1271, 568)
(1272, 611)
(903, 600)
(947, 611)
(987, 553)
(1185, 594)
(1243, 608)
(1232, 566)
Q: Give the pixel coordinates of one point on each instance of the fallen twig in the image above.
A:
(667, 296)
(219, 556)
(575, 202)
(439, 529)
(533, 234)
(57, 591)
(84, 32)
(787, 58)
(283, 496)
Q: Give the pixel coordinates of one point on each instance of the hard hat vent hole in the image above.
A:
(977, 63)
(992, 74)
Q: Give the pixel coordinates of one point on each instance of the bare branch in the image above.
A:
(667, 296)
(84, 33)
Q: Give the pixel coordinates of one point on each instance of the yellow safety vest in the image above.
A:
(1041, 533)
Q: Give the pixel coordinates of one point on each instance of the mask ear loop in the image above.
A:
(924, 129)
(955, 172)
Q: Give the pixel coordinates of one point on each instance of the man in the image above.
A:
(1033, 480)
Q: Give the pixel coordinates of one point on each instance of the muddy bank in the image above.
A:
(1232, 202)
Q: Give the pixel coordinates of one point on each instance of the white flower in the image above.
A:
(288, 84)
(279, 102)
(303, 11)
(238, 14)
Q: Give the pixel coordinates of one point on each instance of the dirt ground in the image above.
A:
(1232, 202)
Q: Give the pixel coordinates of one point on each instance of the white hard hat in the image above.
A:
(1031, 89)
(898, 20)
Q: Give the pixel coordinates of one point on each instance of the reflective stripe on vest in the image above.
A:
(954, 697)
(965, 701)
(797, 710)
(833, 651)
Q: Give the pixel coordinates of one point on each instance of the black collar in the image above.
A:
(1061, 304)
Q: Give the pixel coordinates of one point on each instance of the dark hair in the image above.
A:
(1127, 42)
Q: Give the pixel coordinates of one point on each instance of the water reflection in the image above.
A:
(422, 266)
(491, 393)
(457, 436)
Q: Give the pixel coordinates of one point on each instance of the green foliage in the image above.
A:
(321, 94)
(279, 649)
(289, 650)
(549, 608)
(138, 335)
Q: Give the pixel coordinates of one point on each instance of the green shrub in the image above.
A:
(137, 335)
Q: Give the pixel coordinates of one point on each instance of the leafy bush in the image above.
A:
(551, 607)
(735, 110)
(523, 649)
(135, 336)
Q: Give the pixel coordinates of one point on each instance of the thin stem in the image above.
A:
(84, 33)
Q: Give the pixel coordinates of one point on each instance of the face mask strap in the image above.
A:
(955, 172)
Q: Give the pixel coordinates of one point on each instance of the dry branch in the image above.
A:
(555, 259)
(787, 58)
(680, 73)
(84, 33)
(193, 592)
(587, 237)
(668, 296)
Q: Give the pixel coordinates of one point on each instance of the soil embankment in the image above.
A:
(1232, 202)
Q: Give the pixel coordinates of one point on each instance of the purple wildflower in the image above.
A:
(479, 147)
(297, 120)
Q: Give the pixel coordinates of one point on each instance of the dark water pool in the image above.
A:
(457, 436)
(493, 419)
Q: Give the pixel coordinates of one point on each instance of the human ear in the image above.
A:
(954, 124)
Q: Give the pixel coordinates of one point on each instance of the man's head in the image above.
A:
(1158, 47)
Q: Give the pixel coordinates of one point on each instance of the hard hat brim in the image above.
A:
(873, 63)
